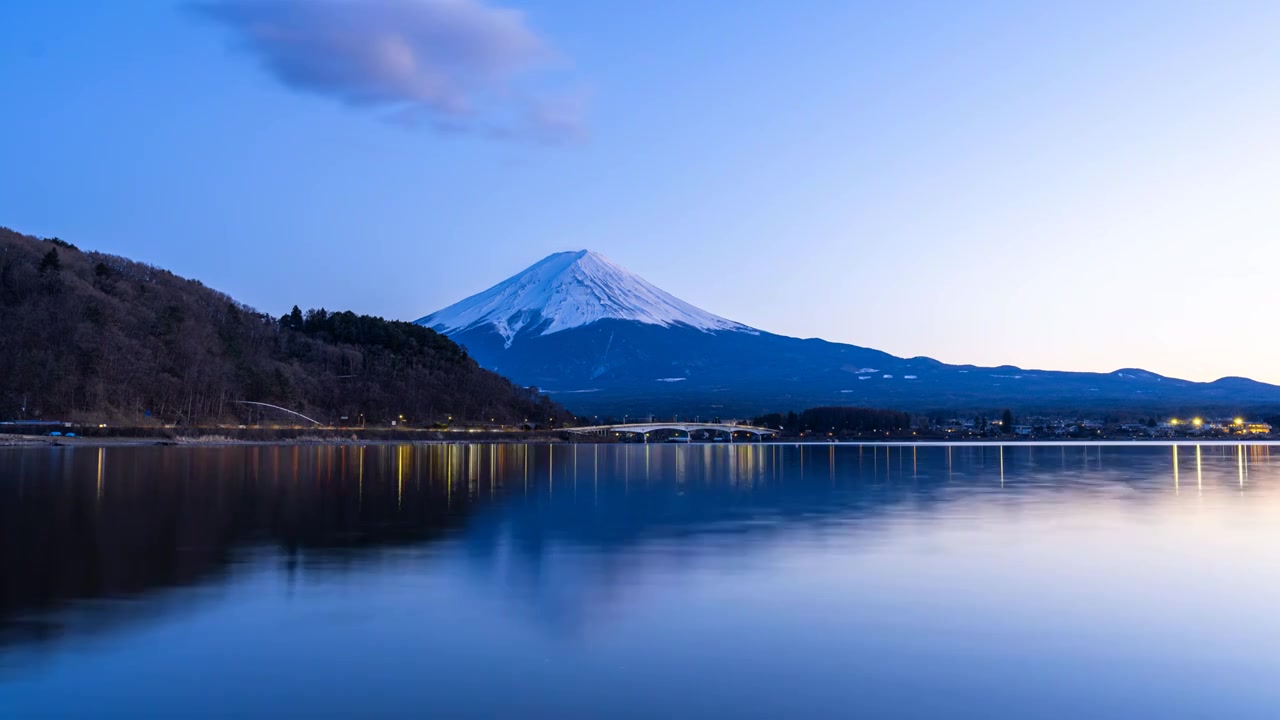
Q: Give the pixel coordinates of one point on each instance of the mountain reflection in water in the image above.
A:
(101, 547)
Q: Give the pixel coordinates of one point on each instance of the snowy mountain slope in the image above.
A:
(568, 290)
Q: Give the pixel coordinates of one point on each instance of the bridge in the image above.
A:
(688, 428)
(317, 423)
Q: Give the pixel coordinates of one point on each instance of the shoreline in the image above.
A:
(216, 439)
(43, 441)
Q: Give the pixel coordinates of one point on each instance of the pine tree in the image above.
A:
(1006, 422)
(293, 320)
(51, 261)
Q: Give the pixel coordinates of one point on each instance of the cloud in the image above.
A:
(451, 65)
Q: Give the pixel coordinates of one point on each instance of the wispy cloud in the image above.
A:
(451, 65)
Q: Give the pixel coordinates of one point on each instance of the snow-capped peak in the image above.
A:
(568, 290)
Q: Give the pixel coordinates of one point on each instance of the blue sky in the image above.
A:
(1084, 185)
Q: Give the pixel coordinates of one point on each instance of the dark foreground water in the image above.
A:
(640, 582)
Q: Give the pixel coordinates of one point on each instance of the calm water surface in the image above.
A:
(640, 582)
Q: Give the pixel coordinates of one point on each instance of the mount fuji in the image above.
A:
(570, 290)
(604, 341)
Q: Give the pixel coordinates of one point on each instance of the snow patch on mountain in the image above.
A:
(568, 290)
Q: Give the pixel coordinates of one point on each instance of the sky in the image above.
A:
(1075, 186)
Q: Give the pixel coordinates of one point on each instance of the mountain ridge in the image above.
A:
(609, 362)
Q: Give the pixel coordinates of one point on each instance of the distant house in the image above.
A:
(1257, 428)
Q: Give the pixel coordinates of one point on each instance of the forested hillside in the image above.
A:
(91, 337)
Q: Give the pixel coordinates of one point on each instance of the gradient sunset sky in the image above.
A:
(1071, 185)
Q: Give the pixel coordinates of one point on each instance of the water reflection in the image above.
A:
(104, 543)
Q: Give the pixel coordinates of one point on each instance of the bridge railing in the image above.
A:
(644, 428)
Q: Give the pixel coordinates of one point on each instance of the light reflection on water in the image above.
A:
(639, 581)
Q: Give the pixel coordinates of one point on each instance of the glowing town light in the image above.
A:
(1197, 422)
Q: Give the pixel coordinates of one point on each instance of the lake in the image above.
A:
(631, 581)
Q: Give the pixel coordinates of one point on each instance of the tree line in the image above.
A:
(838, 420)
